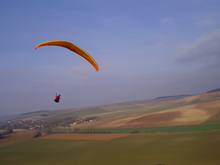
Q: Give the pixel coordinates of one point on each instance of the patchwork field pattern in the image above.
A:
(183, 115)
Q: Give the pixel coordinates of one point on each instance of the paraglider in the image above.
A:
(57, 98)
(72, 47)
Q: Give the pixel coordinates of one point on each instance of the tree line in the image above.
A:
(6, 130)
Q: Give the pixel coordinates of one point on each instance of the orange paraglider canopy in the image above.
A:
(72, 47)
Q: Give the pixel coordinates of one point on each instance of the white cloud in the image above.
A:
(207, 20)
(205, 51)
(204, 22)
(167, 21)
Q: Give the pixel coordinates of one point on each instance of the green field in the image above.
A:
(200, 148)
(166, 129)
(214, 119)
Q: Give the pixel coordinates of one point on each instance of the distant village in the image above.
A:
(48, 126)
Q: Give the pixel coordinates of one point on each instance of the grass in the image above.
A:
(204, 100)
(214, 119)
(168, 148)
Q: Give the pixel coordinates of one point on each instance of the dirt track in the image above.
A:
(85, 136)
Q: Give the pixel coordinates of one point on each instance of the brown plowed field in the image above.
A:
(17, 136)
(85, 136)
(155, 119)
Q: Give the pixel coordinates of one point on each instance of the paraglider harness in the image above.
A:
(57, 98)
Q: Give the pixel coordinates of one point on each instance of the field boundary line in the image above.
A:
(17, 142)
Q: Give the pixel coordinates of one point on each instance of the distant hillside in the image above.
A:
(8, 116)
(214, 90)
(179, 96)
(168, 111)
(121, 110)
(34, 112)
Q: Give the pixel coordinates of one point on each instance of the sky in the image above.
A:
(145, 49)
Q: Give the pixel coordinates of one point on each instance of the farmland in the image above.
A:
(166, 115)
(162, 129)
(85, 136)
(146, 148)
(18, 135)
(167, 131)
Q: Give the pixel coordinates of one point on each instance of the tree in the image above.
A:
(48, 130)
(37, 134)
(8, 130)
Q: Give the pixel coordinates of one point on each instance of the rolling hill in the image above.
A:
(102, 109)
(197, 109)
(162, 111)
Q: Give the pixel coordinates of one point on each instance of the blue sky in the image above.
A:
(145, 49)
